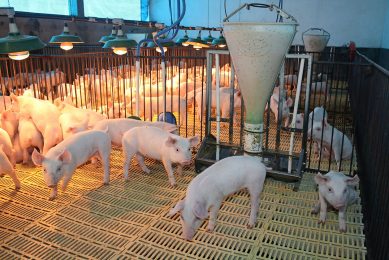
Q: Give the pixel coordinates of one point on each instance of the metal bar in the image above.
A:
(296, 102)
(217, 66)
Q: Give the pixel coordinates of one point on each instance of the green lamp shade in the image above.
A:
(120, 42)
(15, 42)
(65, 37)
(209, 39)
(164, 44)
(197, 42)
(219, 41)
(183, 39)
(106, 38)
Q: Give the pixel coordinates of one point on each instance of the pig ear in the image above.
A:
(171, 141)
(320, 179)
(194, 141)
(37, 158)
(179, 207)
(238, 93)
(353, 181)
(65, 157)
(289, 102)
(199, 210)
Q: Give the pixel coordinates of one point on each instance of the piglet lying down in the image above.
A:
(207, 191)
(62, 160)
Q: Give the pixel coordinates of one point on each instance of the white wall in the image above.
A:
(385, 34)
(361, 21)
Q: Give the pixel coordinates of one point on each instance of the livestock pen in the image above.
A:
(129, 219)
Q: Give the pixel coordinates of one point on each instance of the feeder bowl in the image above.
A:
(170, 118)
(134, 117)
(315, 39)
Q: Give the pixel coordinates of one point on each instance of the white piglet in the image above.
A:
(324, 133)
(29, 136)
(157, 144)
(208, 189)
(335, 190)
(62, 160)
(6, 167)
(6, 141)
(286, 104)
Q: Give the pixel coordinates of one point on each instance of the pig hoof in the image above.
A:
(321, 222)
(250, 226)
(17, 188)
(342, 230)
(314, 211)
(173, 184)
(106, 183)
(51, 198)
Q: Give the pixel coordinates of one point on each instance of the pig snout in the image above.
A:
(339, 206)
(51, 186)
(188, 234)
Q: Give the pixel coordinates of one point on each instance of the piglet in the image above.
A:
(29, 136)
(62, 160)
(286, 104)
(324, 133)
(299, 121)
(335, 190)
(224, 101)
(10, 122)
(6, 167)
(8, 150)
(208, 189)
(157, 144)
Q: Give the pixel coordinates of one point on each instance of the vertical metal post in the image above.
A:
(296, 102)
(217, 66)
(137, 82)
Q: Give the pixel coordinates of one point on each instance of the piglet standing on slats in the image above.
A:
(337, 191)
(158, 144)
(62, 160)
(208, 190)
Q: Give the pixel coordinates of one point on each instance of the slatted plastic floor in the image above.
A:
(128, 220)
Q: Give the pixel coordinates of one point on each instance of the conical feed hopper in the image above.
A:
(257, 51)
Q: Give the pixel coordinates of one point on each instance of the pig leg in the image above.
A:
(342, 220)
(255, 192)
(128, 154)
(66, 178)
(15, 179)
(287, 121)
(104, 156)
(53, 193)
(179, 169)
(12, 158)
(316, 209)
(169, 170)
(323, 210)
(141, 162)
(213, 215)
(26, 156)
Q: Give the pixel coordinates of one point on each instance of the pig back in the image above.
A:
(231, 174)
